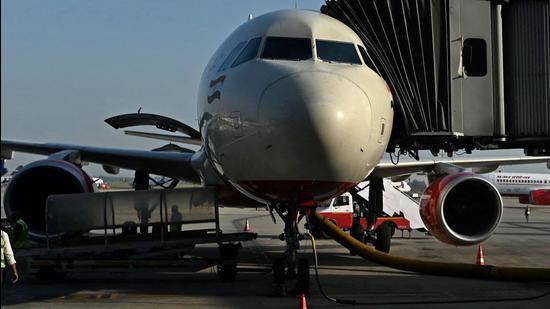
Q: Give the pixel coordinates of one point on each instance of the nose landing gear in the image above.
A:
(290, 267)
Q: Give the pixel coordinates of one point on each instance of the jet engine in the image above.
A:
(28, 190)
(539, 197)
(461, 209)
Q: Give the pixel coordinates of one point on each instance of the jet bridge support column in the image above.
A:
(383, 233)
(376, 202)
(141, 180)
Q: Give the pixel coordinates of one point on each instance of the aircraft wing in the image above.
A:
(165, 137)
(172, 164)
(388, 169)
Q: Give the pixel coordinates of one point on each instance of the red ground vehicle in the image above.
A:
(340, 212)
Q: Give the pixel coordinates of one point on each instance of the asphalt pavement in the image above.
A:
(515, 243)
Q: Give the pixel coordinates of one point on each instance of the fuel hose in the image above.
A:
(429, 267)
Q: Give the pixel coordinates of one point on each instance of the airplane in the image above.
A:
(3, 170)
(531, 188)
(402, 186)
(100, 183)
(290, 115)
(7, 178)
(159, 182)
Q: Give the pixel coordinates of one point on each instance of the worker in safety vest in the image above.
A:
(8, 258)
(20, 234)
(527, 213)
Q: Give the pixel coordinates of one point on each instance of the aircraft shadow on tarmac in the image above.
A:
(544, 228)
(174, 289)
(102, 284)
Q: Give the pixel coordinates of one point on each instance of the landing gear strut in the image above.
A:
(290, 267)
(292, 242)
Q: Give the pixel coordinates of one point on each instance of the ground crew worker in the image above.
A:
(527, 213)
(21, 234)
(8, 258)
(176, 219)
(356, 227)
(143, 215)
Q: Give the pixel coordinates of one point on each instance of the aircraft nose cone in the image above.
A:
(316, 127)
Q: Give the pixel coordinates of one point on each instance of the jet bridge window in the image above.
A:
(249, 52)
(474, 57)
(231, 56)
(333, 51)
(282, 48)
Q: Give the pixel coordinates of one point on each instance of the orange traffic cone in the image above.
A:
(247, 226)
(303, 303)
(480, 260)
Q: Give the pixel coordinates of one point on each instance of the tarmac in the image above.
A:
(515, 243)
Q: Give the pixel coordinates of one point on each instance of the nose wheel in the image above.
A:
(281, 278)
(290, 268)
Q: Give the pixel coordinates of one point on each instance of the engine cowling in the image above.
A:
(540, 197)
(28, 190)
(461, 209)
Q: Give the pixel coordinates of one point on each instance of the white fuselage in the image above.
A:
(518, 183)
(292, 130)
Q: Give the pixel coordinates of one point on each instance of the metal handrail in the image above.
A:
(109, 218)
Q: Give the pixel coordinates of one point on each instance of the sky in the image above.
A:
(66, 65)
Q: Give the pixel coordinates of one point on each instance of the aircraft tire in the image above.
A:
(392, 227)
(302, 281)
(279, 271)
(227, 272)
(383, 238)
(279, 286)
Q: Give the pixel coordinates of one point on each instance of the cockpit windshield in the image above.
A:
(333, 51)
(282, 48)
(234, 52)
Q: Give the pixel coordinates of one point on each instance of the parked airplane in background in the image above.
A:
(290, 115)
(158, 182)
(402, 186)
(100, 183)
(530, 188)
(7, 178)
(3, 169)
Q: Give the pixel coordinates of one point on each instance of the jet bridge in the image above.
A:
(464, 74)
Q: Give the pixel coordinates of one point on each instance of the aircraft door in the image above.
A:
(237, 124)
(471, 67)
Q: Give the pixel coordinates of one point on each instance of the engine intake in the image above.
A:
(28, 190)
(461, 209)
